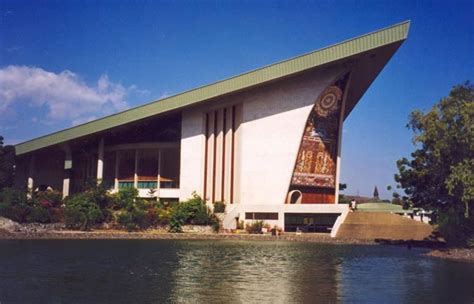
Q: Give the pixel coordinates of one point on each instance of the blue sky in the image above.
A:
(106, 57)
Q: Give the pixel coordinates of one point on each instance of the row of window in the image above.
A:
(147, 185)
(261, 215)
(299, 219)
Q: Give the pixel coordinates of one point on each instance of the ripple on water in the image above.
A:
(125, 271)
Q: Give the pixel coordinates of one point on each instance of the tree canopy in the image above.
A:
(440, 174)
(7, 162)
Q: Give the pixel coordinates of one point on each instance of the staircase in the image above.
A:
(231, 212)
(382, 225)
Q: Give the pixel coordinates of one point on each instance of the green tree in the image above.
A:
(440, 174)
(342, 198)
(396, 199)
(7, 164)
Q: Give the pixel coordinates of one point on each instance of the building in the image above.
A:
(266, 142)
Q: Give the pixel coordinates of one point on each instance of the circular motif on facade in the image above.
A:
(329, 101)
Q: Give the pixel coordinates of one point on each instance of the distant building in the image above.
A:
(376, 193)
(266, 142)
(359, 199)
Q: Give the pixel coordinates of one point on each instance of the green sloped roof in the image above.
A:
(388, 36)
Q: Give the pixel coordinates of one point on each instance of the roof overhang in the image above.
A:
(368, 53)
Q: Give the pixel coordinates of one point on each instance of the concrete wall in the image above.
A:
(281, 209)
(273, 124)
(273, 120)
(192, 153)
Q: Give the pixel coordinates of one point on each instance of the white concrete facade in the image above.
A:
(253, 146)
(240, 138)
(192, 154)
(272, 127)
(273, 118)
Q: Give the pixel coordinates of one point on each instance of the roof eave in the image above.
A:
(335, 53)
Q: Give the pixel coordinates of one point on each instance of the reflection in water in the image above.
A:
(144, 271)
(244, 272)
(399, 275)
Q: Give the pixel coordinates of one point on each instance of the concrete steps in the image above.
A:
(382, 225)
(232, 211)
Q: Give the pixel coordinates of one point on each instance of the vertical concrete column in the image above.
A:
(117, 163)
(237, 152)
(100, 162)
(339, 139)
(210, 158)
(228, 155)
(219, 156)
(67, 170)
(30, 179)
(135, 172)
(281, 220)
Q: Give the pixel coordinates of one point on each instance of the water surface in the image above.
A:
(166, 271)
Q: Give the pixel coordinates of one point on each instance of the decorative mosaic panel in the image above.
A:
(316, 162)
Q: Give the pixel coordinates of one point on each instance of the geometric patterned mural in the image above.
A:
(316, 162)
(315, 168)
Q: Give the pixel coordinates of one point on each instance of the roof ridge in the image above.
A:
(262, 74)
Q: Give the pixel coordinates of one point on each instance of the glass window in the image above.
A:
(261, 216)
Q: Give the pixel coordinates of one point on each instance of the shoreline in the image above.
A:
(152, 235)
(454, 254)
(435, 250)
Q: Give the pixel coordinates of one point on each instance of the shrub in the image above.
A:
(14, 204)
(201, 217)
(133, 220)
(125, 199)
(12, 196)
(152, 216)
(44, 207)
(82, 211)
(75, 218)
(215, 223)
(18, 213)
(137, 213)
(455, 228)
(178, 219)
(48, 199)
(219, 207)
(255, 227)
(107, 215)
(164, 216)
(89, 207)
(99, 195)
(39, 214)
(139, 218)
(125, 220)
(193, 211)
(343, 199)
(56, 215)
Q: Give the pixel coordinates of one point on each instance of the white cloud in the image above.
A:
(164, 95)
(64, 94)
(83, 120)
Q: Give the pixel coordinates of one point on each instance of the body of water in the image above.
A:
(166, 271)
